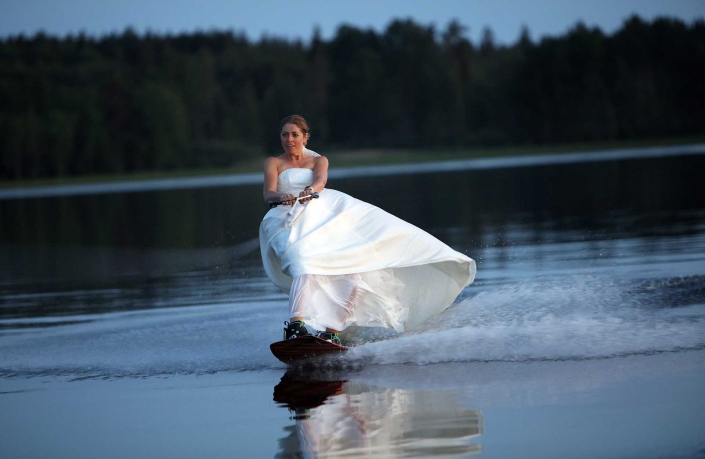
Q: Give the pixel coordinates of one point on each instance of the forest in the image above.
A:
(126, 102)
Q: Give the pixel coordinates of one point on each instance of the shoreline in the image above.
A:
(360, 157)
(409, 167)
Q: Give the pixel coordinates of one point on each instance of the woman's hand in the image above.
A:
(289, 197)
(307, 191)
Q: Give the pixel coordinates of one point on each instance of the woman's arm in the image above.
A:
(320, 174)
(269, 191)
(320, 178)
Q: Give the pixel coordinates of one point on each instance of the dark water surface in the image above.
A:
(144, 319)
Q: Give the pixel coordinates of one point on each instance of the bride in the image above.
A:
(344, 261)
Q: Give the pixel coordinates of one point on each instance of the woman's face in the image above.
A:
(293, 139)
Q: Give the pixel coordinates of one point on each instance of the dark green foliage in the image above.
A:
(122, 103)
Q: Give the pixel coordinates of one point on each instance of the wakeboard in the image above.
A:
(304, 347)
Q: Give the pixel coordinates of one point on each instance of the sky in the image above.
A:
(297, 19)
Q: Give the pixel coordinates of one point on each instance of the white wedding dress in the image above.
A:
(344, 261)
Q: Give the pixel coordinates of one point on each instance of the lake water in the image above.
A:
(137, 323)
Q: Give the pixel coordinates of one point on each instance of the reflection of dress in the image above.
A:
(348, 262)
(354, 419)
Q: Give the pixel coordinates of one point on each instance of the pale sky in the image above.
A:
(297, 18)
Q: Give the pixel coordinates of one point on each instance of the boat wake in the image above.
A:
(570, 319)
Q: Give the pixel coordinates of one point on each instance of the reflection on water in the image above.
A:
(337, 418)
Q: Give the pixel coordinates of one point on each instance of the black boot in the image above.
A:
(295, 329)
(329, 336)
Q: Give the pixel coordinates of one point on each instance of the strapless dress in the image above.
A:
(346, 262)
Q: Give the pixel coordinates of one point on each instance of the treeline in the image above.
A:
(121, 103)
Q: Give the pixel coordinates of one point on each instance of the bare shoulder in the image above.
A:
(271, 163)
(321, 161)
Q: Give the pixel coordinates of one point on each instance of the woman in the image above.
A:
(344, 261)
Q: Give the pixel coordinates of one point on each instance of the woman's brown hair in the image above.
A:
(296, 120)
